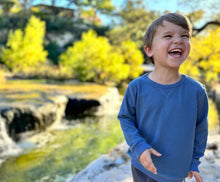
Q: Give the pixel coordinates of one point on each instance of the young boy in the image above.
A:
(164, 113)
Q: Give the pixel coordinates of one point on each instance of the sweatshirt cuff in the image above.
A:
(140, 147)
(194, 167)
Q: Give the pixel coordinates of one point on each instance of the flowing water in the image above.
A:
(57, 155)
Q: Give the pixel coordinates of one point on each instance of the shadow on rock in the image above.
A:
(79, 108)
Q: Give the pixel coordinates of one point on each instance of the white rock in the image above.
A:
(115, 166)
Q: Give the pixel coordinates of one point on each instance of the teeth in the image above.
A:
(176, 50)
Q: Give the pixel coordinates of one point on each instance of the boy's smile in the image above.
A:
(176, 52)
(170, 46)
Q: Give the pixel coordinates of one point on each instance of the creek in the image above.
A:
(57, 155)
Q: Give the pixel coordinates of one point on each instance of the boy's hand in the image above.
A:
(196, 175)
(146, 161)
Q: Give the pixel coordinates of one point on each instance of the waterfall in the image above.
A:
(7, 146)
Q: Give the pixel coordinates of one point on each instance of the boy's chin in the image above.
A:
(176, 64)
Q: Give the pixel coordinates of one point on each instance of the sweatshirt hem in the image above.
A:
(158, 177)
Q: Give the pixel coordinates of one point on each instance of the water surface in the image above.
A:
(66, 152)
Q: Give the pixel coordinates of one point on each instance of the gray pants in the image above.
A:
(138, 176)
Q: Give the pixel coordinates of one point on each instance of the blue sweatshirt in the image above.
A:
(172, 119)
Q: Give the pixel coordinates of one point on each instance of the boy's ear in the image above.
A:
(148, 51)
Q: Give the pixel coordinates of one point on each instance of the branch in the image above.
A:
(198, 30)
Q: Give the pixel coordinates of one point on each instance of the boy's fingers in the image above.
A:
(153, 169)
(154, 152)
(150, 166)
(190, 175)
(197, 176)
(145, 159)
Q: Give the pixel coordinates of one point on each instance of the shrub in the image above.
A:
(94, 59)
(25, 50)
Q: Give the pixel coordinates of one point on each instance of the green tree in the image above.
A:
(203, 14)
(134, 21)
(5, 6)
(104, 6)
(89, 9)
(94, 59)
(25, 50)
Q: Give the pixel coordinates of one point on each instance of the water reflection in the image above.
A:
(61, 154)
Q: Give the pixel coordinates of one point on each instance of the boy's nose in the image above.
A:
(178, 40)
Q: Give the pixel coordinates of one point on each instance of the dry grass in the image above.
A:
(29, 89)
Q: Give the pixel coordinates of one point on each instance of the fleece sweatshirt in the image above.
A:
(172, 119)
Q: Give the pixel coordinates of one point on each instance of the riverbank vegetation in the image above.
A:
(33, 41)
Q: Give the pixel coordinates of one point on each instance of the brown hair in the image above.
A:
(174, 18)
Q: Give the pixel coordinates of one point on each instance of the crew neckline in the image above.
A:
(146, 76)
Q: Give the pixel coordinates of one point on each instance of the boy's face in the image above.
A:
(170, 46)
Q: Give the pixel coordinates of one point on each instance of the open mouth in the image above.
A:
(176, 52)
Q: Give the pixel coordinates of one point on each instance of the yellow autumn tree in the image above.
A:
(204, 60)
(133, 57)
(94, 59)
(24, 50)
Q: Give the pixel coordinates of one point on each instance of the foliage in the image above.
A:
(213, 117)
(13, 21)
(55, 23)
(133, 57)
(209, 8)
(87, 10)
(195, 16)
(25, 49)
(134, 21)
(101, 30)
(203, 62)
(99, 5)
(94, 59)
(6, 6)
(202, 14)
(53, 51)
(16, 6)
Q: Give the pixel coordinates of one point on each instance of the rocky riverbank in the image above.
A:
(39, 107)
(115, 165)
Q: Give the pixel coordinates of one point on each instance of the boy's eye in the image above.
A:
(185, 36)
(167, 36)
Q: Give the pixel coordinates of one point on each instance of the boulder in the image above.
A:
(107, 167)
(20, 118)
(115, 166)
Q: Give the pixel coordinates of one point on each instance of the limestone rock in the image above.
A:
(22, 118)
(115, 166)
(7, 145)
(106, 166)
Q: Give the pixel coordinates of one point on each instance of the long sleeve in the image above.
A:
(127, 117)
(201, 131)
